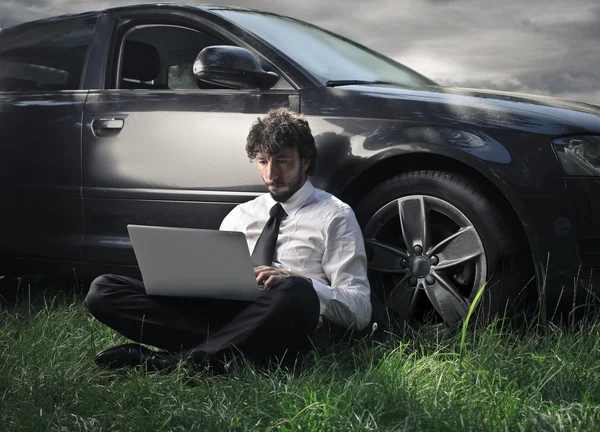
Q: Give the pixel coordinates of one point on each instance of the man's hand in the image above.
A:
(266, 276)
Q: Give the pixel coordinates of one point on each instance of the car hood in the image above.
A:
(563, 112)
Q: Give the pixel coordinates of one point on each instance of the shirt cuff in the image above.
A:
(324, 293)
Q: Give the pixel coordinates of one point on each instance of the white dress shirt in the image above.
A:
(319, 238)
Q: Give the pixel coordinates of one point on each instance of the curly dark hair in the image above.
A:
(282, 128)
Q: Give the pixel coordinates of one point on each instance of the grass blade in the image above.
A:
(466, 324)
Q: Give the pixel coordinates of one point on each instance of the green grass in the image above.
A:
(547, 379)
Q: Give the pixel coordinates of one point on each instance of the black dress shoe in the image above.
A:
(162, 361)
(119, 356)
(133, 354)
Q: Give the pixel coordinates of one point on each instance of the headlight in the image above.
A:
(579, 155)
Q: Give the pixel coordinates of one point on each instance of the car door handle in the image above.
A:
(105, 123)
(107, 127)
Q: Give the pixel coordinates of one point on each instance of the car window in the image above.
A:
(162, 56)
(48, 56)
(325, 55)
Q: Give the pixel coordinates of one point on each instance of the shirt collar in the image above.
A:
(296, 201)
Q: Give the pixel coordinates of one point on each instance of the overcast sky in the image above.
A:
(547, 47)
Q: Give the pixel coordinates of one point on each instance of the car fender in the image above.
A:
(350, 166)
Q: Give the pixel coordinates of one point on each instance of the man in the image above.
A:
(310, 263)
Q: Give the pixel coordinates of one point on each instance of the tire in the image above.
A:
(421, 274)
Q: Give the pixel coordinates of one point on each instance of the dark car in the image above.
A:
(139, 114)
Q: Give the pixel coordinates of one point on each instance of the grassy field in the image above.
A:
(547, 379)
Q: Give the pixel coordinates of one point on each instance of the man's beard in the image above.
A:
(292, 188)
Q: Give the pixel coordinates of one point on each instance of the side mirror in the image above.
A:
(232, 67)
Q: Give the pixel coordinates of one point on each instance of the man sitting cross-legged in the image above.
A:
(309, 259)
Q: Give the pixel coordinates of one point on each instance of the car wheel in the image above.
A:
(433, 239)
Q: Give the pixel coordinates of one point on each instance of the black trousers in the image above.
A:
(278, 324)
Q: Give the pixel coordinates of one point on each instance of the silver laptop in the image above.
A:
(193, 262)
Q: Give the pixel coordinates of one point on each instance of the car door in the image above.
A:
(41, 105)
(159, 148)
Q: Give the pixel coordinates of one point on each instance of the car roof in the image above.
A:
(132, 7)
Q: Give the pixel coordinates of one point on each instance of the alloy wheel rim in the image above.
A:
(421, 244)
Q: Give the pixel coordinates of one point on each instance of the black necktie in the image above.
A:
(265, 246)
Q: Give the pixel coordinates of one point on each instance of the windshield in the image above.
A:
(326, 56)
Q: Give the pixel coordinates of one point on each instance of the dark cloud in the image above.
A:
(540, 46)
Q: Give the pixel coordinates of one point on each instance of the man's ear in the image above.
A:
(305, 164)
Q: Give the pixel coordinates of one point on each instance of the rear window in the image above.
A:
(48, 56)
